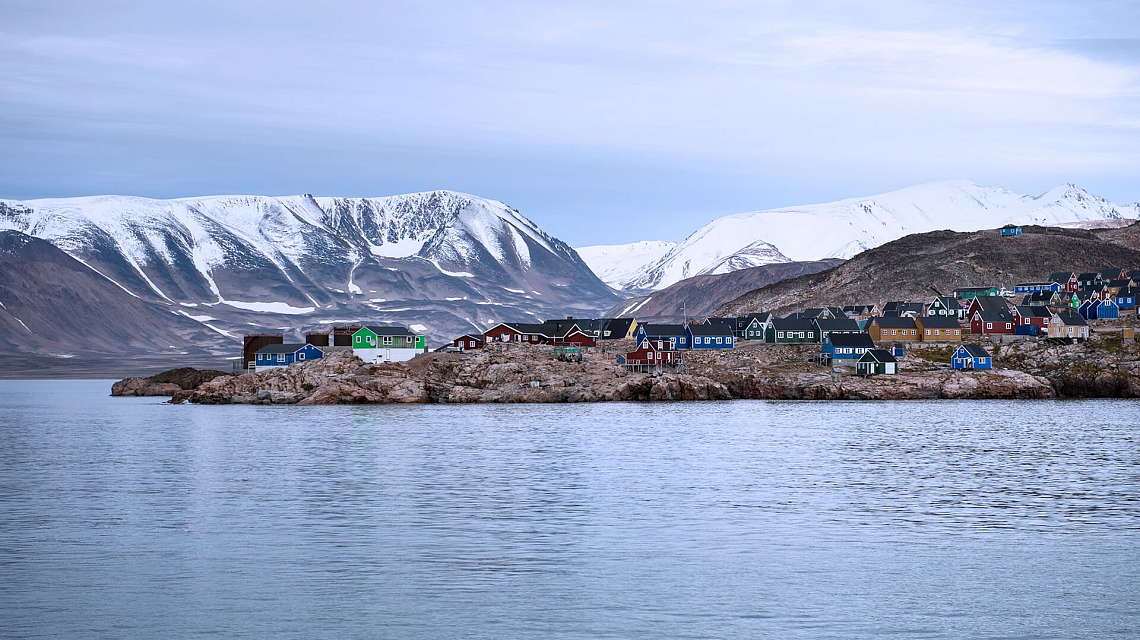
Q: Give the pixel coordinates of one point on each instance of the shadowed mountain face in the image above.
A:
(903, 269)
(445, 262)
(700, 296)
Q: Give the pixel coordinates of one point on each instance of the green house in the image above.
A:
(875, 362)
(969, 293)
(380, 337)
(791, 331)
(755, 329)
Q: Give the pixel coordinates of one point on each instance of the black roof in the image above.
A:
(1119, 282)
(837, 324)
(792, 324)
(729, 323)
(1060, 276)
(291, 347)
(851, 340)
(812, 312)
(894, 322)
(616, 325)
(880, 355)
(995, 316)
(993, 303)
(1034, 311)
(389, 330)
(1092, 275)
(950, 302)
(976, 350)
(710, 330)
(652, 330)
(1075, 319)
(939, 322)
(1037, 296)
(475, 336)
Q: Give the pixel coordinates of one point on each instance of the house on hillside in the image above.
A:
(1040, 298)
(1108, 309)
(986, 322)
(897, 309)
(1114, 286)
(674, 335)
(1031, 320)
(861, 311)
(946, 307)
(887, 328)
(608, 328)
(756, 325)
(710, 336)
(1068, 325)
(554, 332)
(1111, 273)
(282, 355)
(846, 346)
(376, 344)
(1011, 230)
(791, 330)
(1126, 298)
(970, 293)
(814, 313)
(1068, 280)
(938, 329)
(468, 342)
(971, 356)
(1088, 280)
(651, 354)
(876, 362)
(828, 326)
(987, 303)
(1033, 287)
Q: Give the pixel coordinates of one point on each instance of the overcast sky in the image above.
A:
(601, 123)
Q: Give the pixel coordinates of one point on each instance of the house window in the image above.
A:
(719, 340)
(1008, 326)
(387, 339)
(989, 325)
(893, 332)
(301, 356)
(607, 333)
(779, 334)
(956, 331)
(281, 357)
(358, 338)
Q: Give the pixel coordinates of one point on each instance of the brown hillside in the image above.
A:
(902, 269)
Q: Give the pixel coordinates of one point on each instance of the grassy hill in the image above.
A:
(903, 269)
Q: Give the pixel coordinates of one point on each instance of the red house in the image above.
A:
(983, 322)
(1027, 315)
(1067, 279)
(467, 342)
(651, 353)
(549, 332)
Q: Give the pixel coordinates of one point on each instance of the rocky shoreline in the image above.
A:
(510, 373)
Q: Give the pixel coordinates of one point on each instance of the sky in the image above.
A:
(603, 122)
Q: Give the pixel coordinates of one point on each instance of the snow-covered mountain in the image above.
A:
(444, 260)
(616, 264)
(847, 227)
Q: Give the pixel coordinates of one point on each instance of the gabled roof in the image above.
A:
(878, 355)
(975, 350)
(994, 316)
(616, 326)
(892, 322)
(838, 312)
(1119, 282)
(667, 330)
(727, 323)
(938, 322)
(1061, 276)
(291, 347)
(858, 308)
(384, 330)
(1092, 275)
(792, 324)
(950, 302)
(813, 312)
(1108, 273)
(1033, 312)
(1037, 296)
(1128, 291)
(992, 303)
(1075, 319)
(837, 324)
(470, 336)
(558, 328)
(525, 327)
(857, 340)
(710, 330)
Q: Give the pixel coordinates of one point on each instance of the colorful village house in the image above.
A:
(1089, 309)
(1114, 286)
(876, 362)
(710, 336)
(674, 335)
(790, 331)
(1033, 287)
(1108, 309)
(828, 326)
(1088, 280)
(756, 325)
(468, 342)
(282, 355)
(887, 328)
(971, 356)
(938, 329)
(1040, 298)
(651, 354)
(377, 343)
(1111, 273)
(945, 306)
(1126, 298)
(996, 304)
(861, 311)
(846, 347)
(1032, 320)
(1067, 279)
(897, 309)
(1067, 324)
(986, 322)
(970, 293)
(1011, 230)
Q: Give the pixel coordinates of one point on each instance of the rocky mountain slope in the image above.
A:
(700, 296)
(902, 269)
(444, 261)
(844, 228)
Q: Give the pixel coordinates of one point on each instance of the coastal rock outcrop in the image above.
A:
(166, 383)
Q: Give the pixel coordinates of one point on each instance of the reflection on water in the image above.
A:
(127, 517)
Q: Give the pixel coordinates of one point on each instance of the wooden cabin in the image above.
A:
(886, 329)
(650, 354)
(791, 331)
(1011, 230)
(468, 342)
(938, 329)
(877, 362)
(1067, 324)
(283, 355)
(945, 306)
(992, 322)
(1067, 279)
(846, 346)
(971, 356)
(710, 336)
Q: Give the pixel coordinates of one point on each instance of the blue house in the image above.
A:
(971, 356)
(283, 355)
(674, 335)
(1034, 287)
(709, 336)
(846, 346)
(1089, 309)
(1108, 309)
(1011, 230)
(1126, 298)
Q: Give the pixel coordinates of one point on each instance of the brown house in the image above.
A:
(938, 329)
(892, 328)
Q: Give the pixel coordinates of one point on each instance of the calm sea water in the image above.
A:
(130, 518)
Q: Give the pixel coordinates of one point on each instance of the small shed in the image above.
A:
(971, 356)
(468, 341)
(877, 361)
